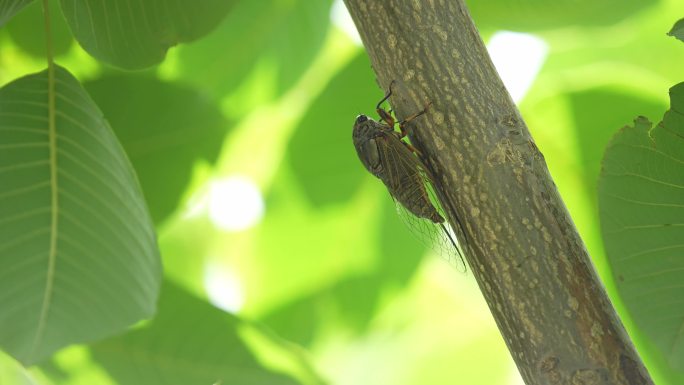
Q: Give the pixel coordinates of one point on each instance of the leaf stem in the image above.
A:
(48, 37)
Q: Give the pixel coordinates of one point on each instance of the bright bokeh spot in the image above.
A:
(223, 288)
(341, 18)
(235, 204)
(518, 57)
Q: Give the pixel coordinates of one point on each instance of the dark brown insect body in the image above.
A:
(392, 160)
(386, 156)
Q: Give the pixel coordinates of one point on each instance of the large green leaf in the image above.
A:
(641, 200)
(165, 128)
(539, 14)
(188, 342)
(78, 254)
(137, 34)
(9, 8)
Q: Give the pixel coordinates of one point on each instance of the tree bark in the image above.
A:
(520, 241)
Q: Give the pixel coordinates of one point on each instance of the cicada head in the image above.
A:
(366, 130)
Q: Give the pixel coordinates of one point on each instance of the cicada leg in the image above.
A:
(402, 124)
(402, 128)
(386, 116)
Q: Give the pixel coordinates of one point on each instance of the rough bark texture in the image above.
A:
(521, 244)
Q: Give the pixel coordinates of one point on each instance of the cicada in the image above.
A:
(385, 154)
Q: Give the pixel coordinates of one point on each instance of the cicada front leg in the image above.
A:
(386, 116)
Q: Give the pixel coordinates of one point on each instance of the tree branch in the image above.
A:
(522, 246)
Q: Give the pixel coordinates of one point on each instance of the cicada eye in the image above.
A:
(361, 119)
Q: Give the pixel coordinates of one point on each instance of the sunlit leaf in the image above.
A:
(528, 15)
(164, 128)
(23, 30)
(137, 34)
(78, 255)
(9, 8)
(678, 30)
(188, 342)
(641, 200)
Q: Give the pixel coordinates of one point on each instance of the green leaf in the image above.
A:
(164, 128)
(78, 255)
(9, 8)
(137, 34)
(641, 200)
(23, 31)
(525, 15)
(678, 30)
(188, 342)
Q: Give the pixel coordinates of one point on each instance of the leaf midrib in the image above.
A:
(54, 211)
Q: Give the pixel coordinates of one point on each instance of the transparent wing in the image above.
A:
(406, 176)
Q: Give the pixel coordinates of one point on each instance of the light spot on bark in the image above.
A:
(526, 223)
(439, 117)
(596, 330)
(573, 303)
(409, 74)
(392, 41)
(439, 143)
(474, 212)
(442, 34)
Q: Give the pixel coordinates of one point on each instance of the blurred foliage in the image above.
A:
(188, 342)
(22, 30)
(335, 175)
(286, 34)
(268, 90)
(164, 128)
(530, 15)
(678, 30)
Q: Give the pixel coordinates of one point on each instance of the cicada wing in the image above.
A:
(406, 175)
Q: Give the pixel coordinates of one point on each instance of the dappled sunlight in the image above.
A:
(235, 203)
(518, 57)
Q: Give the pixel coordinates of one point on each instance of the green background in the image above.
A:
(332, 286)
